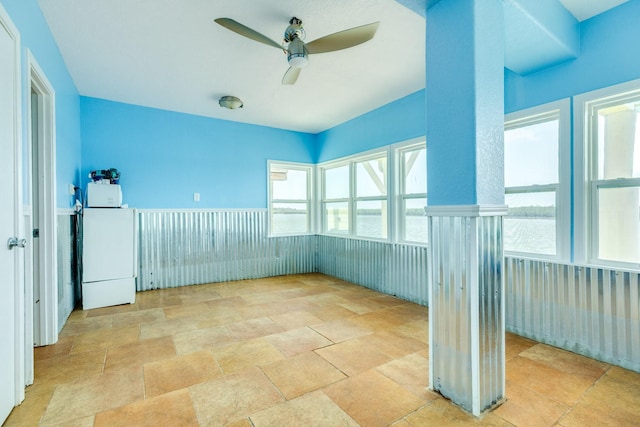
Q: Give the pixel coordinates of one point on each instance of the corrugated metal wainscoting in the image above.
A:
(179, 248)
(587, 310)
(65, 224)
(466, 310)
(394, 269)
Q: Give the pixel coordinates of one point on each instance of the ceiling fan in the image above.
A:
(296, 49)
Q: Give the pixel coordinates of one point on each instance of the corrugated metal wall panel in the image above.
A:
(491, 310)
(65, 224)
(179, 248)
(467, 310)
(587, 310)
(451, 336)
(394, 269)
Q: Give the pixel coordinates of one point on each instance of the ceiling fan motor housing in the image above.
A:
(297, 54)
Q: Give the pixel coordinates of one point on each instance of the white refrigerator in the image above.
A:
(109, 257)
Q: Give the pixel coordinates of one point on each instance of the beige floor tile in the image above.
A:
(137, 317)
(392, 344)
(246, 354)
(254, 328)
(139, 353)
(172, 409)
(233, 397)
(84, 325)
(103, 339)
(401, 423)
(156, 299)
(203, 339)
(341, 330)
(551, 382)
(380, 320)
(244, 422)
(66, 369)
(116, 309)
(179, 372)
(411, 372)
(353, 356)
(332, 312)
(301, 374)
(186, 310)
(165, 328)
(515, 344)
(298, 341)
(295, 319)
(362, 305)
(441, 412)
(418, 330)
(356, 397)
(95, 394)
(80, 422)
(61, 348)
(565, 361)
(613, 400)
(528, 408)
(311, 410)
(29, 412)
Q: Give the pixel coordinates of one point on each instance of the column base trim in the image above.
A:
(467, 210)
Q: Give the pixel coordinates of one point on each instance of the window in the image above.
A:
(336, 203)
(355, 196)
(289, 198)
(371, 197)
(613, 179)
(412, 194)
(538, 204)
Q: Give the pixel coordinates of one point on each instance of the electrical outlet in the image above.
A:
(72, 190)
(196, 197)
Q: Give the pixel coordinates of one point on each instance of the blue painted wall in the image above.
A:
(609, 55)
(35, 36)
(164, 157)
(395, 122)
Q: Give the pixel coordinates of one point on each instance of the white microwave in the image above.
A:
(104, 195)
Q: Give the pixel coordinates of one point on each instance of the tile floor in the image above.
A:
(304, 350)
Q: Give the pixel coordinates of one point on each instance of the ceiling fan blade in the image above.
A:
(343, 39)
(291, 75)
(243, 30)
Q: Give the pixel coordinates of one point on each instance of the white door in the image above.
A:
(10, 268)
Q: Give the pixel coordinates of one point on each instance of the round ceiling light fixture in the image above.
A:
(230, 102)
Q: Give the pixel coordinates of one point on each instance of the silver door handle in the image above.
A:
(15, 242)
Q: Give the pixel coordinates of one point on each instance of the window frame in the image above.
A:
(561, 111)
(323, 201)
(310, 170)
(393, 187)
(402, 195)
(586, 178)
(353, 199)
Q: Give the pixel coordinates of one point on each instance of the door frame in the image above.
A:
(18, 280)
(48, 264)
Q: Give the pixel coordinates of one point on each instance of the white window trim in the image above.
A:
(307, 167)
(562, 110)
(401, 197)
(582, 171)
(393, 217)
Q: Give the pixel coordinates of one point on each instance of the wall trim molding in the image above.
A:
(467, 210)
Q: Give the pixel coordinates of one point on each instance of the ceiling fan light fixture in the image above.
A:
(230, 102)
(297, 54)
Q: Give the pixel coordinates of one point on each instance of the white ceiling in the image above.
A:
(169, 54)
(585, 9)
